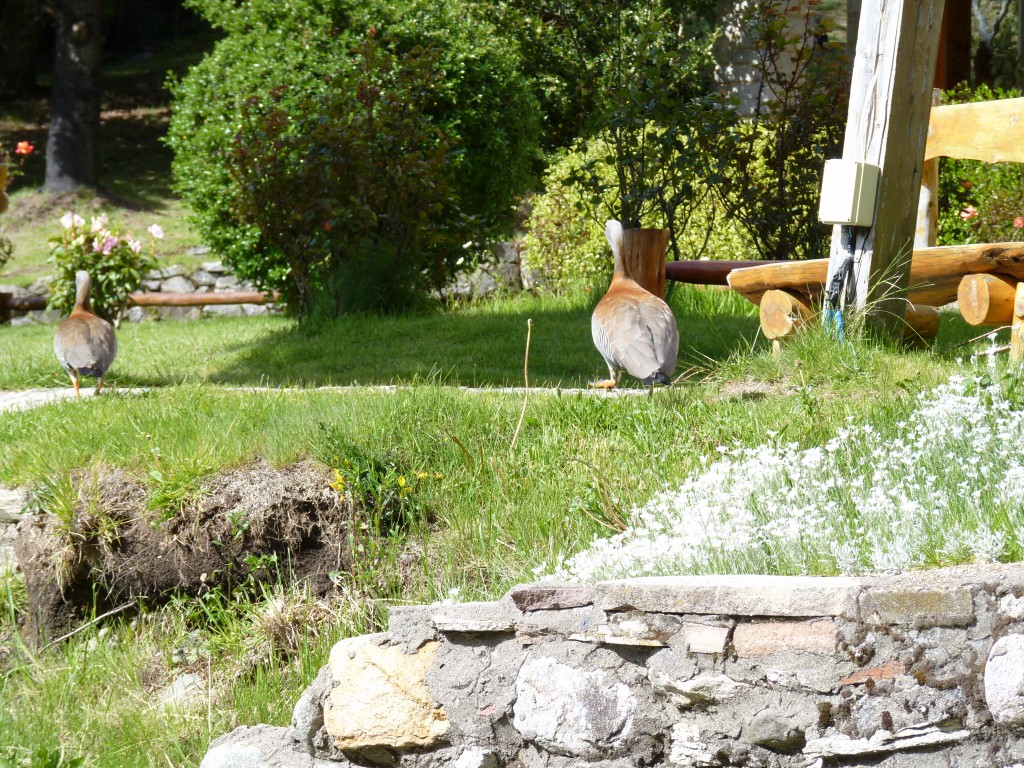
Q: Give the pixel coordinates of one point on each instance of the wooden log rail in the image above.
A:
(982, 276)
(9, 303)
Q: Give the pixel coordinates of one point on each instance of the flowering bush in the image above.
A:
(980, 202)
(116, 261)
(8, 172)
(945, 486)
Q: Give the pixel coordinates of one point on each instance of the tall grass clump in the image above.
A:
(940, 487)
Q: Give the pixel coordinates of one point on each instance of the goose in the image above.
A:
(634, 330)
(85, 344)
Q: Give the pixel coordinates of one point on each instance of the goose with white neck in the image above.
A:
(85, 343)
(634, 330)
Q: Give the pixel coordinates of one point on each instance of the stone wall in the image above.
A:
(924, 669)
(498, 272)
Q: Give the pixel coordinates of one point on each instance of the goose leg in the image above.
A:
(609, 383)
(74, 380)
(99, 386)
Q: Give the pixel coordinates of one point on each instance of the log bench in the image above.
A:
(984, 278)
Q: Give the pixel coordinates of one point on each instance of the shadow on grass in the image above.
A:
(471, 347)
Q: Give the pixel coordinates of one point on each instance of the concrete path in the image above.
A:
(26, 399)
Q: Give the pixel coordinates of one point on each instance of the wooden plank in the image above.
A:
(991, 131)
(926, 234)
(887, 124)
(1017, 327)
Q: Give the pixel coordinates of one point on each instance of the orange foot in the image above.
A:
(606, 384)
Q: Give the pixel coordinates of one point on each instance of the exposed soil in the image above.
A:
(256, 522)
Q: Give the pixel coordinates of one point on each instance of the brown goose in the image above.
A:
(85, 344)
(633, 329)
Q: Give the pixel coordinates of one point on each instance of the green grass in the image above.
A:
(481, 345)
(578, 465)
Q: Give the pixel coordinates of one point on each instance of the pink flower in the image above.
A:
(1018, 222)
(136, 246)
(109, 244)
(156, 231)
(968, 213)
(24, 148)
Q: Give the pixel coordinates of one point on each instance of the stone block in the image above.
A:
(380, 698)
(775, 730)
(700, 691)
(706, 638)
(177, 284)
(633, 628)
(551, 597)
(931, 606)
(568, 709)
(500, 616)
(226, 283)
(474, 757)
(262, 746)
(202, 277)
(763, 638)
(1004, 680)
(223, 310)
(787, 596)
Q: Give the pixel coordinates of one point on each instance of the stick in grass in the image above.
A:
(526, 378)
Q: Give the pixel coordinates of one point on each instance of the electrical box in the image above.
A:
(848, 190)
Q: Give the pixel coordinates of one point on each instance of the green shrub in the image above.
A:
(378, 175)
(567, 250)
(979, 202)
(766, 167)
(115, 261)
(291, 59)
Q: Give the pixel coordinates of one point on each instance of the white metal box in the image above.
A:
(848, 190)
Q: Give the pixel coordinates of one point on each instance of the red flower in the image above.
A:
(968, 213)
(1018, 222)
(24, 148)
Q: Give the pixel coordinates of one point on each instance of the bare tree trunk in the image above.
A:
(21, 24)
(852, 28)
(72, 147)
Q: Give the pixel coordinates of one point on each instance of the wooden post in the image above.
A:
(1017, 327)
(887, 125)
(643, 258)
(926, 234)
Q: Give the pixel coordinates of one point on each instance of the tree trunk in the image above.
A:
(643, 258)
(72, 147)
(21, 24)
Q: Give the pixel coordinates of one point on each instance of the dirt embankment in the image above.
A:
(256, 522)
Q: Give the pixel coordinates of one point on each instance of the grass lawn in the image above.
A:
(475, 345)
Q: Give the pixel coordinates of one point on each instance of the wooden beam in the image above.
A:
(701, 272)
(154, 299)
(990, 131)
(934, 272)
(887, 124)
